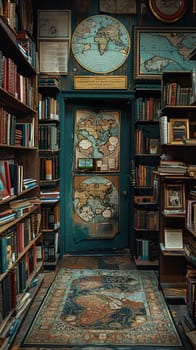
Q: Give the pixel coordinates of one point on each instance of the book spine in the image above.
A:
(48, 169)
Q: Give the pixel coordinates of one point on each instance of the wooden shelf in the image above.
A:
(8, 40)
(173, 291)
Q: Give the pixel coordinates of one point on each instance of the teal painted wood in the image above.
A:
(68, 107)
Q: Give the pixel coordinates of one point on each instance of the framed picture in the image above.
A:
(160, 49)
(194, 6)
(54, 24)
(118, 6)
(168, 11)
(58, 50)
(174, 196)
(173, 238)
(178, 130)
(153, 146)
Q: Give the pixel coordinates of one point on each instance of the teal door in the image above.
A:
(95, 154)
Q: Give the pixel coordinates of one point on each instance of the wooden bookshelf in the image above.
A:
(49, 147)
(18, 163)
(146, 159)
(175, 176)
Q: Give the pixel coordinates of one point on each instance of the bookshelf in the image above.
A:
(176, 180)
(146, 159)
(49, 148)
(20, 236)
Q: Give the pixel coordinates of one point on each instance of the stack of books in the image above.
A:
(172, 167)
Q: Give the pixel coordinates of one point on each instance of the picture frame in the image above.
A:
(54, 24)
(194, 6)
(173, 238)
(153, 146)
(174, 196)
(178, 130)
(59, 51)
(159, 49)
(118, 6)
(168, 11)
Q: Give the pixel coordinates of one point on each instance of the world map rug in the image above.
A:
(103, 309)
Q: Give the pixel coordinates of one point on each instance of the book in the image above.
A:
(3, 254)
(163, 130)
(48, 169)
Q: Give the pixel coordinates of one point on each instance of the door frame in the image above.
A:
(67, 105)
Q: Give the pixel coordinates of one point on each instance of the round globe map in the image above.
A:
(101, 44)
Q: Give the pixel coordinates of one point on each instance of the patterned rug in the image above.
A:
(103, 309)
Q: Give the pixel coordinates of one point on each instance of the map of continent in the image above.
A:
(96, 200)
(101, 44)
(165, 51)
(97, 137)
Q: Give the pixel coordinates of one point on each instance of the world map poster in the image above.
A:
(161, 50)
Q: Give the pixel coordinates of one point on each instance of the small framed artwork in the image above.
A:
(154, 146)
(174, 196)
(58, 50)
(168, 11)
(194, 6)
(118, 6)
(173, 238)
(178, 130)
(161, 49)
(54, 24)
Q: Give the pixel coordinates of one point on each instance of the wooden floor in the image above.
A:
(178, 309)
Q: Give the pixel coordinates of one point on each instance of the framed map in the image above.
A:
(101, 44)
(97, 140)
(161, 49)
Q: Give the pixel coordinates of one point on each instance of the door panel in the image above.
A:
(98, 182)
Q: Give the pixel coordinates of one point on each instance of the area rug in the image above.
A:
(103, 309)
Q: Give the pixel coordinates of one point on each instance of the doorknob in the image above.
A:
(124, 193)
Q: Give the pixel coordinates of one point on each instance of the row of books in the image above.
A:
(191, 292)
(147, 108)
(146, 249)
(50, 246)
(145, 144)
(15, 133)
(50, 216)
(11, 178)
(48, 137)
(16, 238)
(15, 282)
(12, 181)
(48, 108)
(27, 46)
(14, 83)
(9, 11)
(175, 94)
(146, 219)
(144, 175)
(49, 168)
(144, 199)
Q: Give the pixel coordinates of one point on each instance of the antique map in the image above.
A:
(101, 44)
(97, 137)
(165, 51)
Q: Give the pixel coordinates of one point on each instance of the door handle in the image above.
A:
(124, 193)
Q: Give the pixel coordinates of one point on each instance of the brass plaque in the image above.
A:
(100, 82)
